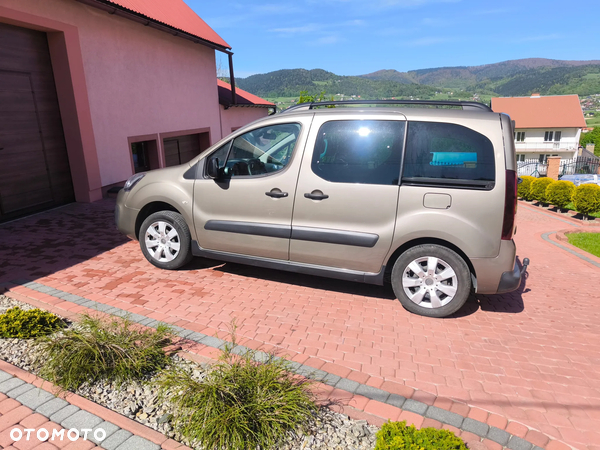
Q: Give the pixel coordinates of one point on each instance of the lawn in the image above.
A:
(592, 122)
(590, 242)
(571, 206)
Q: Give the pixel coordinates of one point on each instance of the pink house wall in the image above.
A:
(140, 81)
(236, 117)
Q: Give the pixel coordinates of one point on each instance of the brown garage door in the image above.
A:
(34, 167)
(181, 149)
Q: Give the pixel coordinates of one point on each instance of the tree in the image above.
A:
(592, 137)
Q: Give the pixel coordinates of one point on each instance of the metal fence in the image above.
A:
(587, 166)
(532, 167)
(580, 165)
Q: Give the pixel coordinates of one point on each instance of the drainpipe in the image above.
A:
(231, 78)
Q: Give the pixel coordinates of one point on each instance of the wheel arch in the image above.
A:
(149, 209)
(420, 241)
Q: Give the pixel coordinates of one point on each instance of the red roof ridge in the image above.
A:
(175, 14)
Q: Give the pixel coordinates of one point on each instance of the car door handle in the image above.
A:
(314, 196)
(276, 193)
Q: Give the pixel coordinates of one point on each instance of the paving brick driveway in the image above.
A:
(532, 356)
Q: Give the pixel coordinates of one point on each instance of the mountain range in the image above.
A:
(507, 78)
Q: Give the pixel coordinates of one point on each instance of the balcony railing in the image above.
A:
(546, 146)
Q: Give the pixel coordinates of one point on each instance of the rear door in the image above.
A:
(345, 207)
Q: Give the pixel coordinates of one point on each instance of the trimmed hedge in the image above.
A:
(523, 189)
(586, 198)
(397, 436)
(559, 193)
(17, 323)
(537, 191)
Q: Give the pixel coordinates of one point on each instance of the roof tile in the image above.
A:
(556, 111)
(174, 13)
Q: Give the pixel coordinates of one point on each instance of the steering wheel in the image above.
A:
(256, 167)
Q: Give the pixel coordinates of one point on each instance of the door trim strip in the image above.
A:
(326, 235)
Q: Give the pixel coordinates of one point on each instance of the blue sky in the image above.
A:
(354, 37)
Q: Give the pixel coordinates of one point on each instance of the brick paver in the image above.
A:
(530, 356)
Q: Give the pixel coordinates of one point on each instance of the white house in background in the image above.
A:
(544, 126)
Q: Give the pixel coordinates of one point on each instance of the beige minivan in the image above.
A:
(424, 197)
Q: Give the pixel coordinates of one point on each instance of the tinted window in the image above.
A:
(448, 154)
(359, 151)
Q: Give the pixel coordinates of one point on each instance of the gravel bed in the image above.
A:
(138, 401)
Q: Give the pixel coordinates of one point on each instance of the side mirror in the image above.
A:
(212, 169)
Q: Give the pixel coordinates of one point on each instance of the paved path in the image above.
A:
(529, 357)
(32, 418)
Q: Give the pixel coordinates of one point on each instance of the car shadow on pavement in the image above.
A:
(297, 279)
(511, 302)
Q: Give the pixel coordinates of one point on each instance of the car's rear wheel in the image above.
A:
(165, 240)
(431, 280)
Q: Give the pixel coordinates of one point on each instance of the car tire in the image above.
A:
(165, 240)
(431, 280)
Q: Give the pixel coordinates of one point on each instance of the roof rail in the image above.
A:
(463, 105)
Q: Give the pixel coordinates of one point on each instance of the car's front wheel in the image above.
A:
(165, 240)
(431, 280)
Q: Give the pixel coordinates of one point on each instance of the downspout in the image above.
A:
(231, 78)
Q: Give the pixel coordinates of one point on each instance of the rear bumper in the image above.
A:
(510, 281)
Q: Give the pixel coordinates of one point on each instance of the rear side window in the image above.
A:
(359, 151)
(448, 154)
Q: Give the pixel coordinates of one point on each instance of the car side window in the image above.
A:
(261, 151)
(448, 154)
(359, 151)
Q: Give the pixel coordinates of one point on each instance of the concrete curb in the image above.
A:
(74, 411)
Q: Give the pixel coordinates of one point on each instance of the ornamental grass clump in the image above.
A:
(559, 193)
(537, 190)
(586, 199)
(397, 436)
(241, 404)
(95, 349)
(26, 324)
(524, 186)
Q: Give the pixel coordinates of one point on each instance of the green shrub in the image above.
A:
(537, 190)
(559, 193)
(96, 349)
(17, 323)
(397, 436)
(586, 198)
(523, 188)
(241, 404)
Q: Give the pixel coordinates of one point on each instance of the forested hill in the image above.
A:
(289, 82)
(508, 78)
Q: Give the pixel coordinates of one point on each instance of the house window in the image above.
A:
(548, 135)
(557, 136)
(521, 157)
(144, 156)
(520, 136)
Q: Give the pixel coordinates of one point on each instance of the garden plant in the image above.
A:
(94, 349)
(241, 404)
(559, 193)
(25, 324)
(524, 186)
(398, 436)
(586, 199)
(537, 190)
